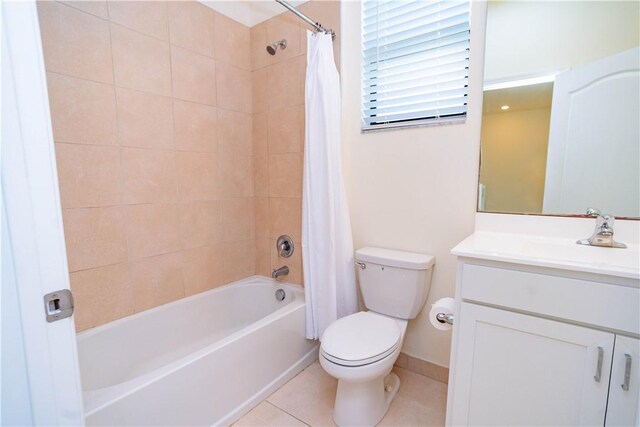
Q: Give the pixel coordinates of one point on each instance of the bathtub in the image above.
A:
(201, 360)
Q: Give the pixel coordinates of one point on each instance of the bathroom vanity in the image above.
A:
(546, 333)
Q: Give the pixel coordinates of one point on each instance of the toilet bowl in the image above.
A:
(359, 350)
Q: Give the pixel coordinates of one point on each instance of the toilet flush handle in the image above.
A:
(362, 265)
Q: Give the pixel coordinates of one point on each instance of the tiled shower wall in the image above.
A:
(167, 188)
(278, 130)
(151, 111)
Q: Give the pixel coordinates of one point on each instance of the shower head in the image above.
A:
(282, 44)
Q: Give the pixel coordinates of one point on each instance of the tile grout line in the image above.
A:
(171, 97)
(286, 412)
(121, 206)
(175, 154)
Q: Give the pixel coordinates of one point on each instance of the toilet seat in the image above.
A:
(360, 339)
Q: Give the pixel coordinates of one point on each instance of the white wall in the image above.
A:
(537, 37)
(413, 189)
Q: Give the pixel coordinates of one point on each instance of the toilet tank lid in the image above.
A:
(394, 258)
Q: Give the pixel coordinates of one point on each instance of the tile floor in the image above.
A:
(307, 400)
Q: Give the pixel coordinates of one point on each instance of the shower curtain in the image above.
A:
(327, 245)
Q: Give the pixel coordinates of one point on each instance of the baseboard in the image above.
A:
(422, 367)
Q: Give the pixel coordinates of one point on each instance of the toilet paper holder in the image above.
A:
(445, 318)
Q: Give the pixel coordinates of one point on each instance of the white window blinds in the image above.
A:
(415, 62)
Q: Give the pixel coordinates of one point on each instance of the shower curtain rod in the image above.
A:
(306, 19)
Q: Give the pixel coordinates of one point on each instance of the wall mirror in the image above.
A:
(561, 109)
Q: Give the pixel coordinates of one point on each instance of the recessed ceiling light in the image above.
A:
(504, 107)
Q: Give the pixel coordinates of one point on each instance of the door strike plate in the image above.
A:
(58, 305)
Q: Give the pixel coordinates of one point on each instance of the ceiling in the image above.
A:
(518, 98)
(249, 12)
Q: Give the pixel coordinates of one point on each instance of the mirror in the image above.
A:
(560, 123)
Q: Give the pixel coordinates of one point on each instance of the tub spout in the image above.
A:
(282, 271)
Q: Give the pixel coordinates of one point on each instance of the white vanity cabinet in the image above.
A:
(534, 345)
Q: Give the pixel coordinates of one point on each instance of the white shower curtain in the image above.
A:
(327, 245)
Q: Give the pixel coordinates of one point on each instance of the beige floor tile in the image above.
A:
(309, 396)
(404, 412)
(423, 390)
(265, 414)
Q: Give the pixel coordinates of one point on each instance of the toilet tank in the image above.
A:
(394, 283)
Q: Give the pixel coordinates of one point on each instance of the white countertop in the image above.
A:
(542, 251)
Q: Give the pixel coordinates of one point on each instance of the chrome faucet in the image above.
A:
(603, 234)
(277, 272)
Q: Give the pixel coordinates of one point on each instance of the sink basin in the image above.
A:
(551, 252)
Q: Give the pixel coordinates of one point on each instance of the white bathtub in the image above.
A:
(202, 360)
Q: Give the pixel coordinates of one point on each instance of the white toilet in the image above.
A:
(360, 350)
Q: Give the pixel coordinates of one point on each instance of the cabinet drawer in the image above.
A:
(605, 305)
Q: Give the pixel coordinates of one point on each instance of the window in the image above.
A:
(415, 62)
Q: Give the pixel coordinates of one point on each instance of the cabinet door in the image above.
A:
(624, 398)
(515, 369)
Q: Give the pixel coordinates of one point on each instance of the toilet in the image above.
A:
(359, 350)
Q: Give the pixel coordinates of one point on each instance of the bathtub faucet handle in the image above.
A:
(285, 246)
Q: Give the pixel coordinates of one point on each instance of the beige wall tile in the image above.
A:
(193, 76)
(148, 17)
(285, 175)
(402, 361)
(157, 280)
(101, 295)
(94, 7)
(239, 260)
(259, 90)
(152, 229)
(234, 132)
(202, 268)
(233, 42)
(285, 217)
(259, 56)
(74, 42)
(82, 112)
(197, 176)
(285, 87)
(89, 176)
(284, 130)
(144, 120)
(140, 62)
(195, 127)
(238, 219)
(261, 176)
(263, 256)
(236, 175)
(149, 176)
(428, 369)
(200, 224)
(191, 26)
(233, 88)
(260, 132)
(303, 125)
(95, 237)
(285, 26)
(262, 217)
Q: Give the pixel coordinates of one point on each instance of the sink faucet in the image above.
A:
(603, 234)
(282, 271)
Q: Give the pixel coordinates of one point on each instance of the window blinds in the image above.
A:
(415, 62)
